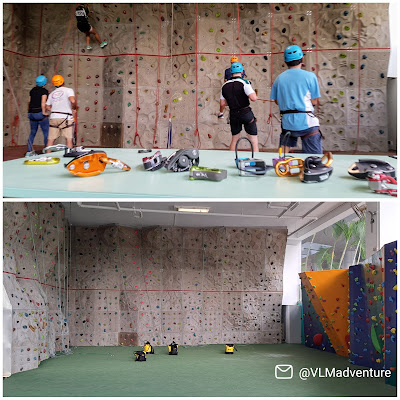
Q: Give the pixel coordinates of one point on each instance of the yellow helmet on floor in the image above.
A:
(234, 59)
(57, 80)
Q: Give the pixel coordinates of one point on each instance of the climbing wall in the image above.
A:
(166, 62)
(326, 318)
(194, 286)
(373, 312)
(36, 259)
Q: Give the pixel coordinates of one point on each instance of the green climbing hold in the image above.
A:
(342, 55)
(341, 93)
(184, 75)
(129, 104)
(175, 100)
(218, 15)
(181, 133)
(185, 92)
(346, 28)
(334, 99)
(118, 19)
(218, 50)
(375, 340)
(203, 58)
(211, 30)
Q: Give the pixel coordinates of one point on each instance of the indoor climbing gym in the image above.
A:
(252, 299)
(145, 100)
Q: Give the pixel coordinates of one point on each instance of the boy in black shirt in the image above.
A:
(37, 111)
(82, 13)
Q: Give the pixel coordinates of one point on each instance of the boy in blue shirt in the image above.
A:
(296, 92)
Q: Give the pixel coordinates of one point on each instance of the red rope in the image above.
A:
(233, 28)
(196, 132)
(65, 39)
(240, 47)
(136, 82)
(158, 78)
(359, 79)
(40, 38)
(76, 86)
(316, 45)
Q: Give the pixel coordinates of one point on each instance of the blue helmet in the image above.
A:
(41, 80)
(236, 67)
(293, 53)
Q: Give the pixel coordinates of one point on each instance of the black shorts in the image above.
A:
(84, 27)
(248, 120)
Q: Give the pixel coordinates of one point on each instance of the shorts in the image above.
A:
(248, 120)
(84, 27)
(55, 133)
(310, 145)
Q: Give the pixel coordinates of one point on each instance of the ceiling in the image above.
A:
(300, 218)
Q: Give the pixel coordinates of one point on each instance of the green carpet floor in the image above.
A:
(196, 371)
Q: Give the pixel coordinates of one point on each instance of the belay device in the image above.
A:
(250, 166)
(209, 174)
(148, 348)
(140, 355)
(182, 160)
(173, 349)
(93, 163)
(155, 162)
(315, 169)
(229, 348)
(362, 168)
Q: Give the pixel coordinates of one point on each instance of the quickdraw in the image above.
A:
(377, 182)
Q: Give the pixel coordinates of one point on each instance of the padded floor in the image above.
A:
(196, 371)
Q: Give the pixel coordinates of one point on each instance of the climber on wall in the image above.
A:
(62, 104)
(236, 93)
(82, 14)
(296, 92)
(228, 75)
(37, 111)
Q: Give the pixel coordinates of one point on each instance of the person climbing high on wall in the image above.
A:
(227, 77)
(37, 111)
(236, 93)
(296, 92)
(82, 14)
(62, 104)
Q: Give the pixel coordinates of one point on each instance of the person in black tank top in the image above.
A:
(82, 14)
(37, 111)
(237, 93)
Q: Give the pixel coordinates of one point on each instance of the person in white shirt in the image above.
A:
(62, 105)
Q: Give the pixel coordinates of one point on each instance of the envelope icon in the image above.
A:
(284, 371)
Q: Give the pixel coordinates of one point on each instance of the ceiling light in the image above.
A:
(189, 209)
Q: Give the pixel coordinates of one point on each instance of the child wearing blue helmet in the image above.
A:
(37, 111)
(237, 93)
(296, 92)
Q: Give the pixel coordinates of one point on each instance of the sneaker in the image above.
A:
(31, 153)
(103, 44)
(221, 115)
(88, 47)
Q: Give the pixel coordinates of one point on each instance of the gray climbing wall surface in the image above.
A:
(194, 286)
(36, 259)
(149, 71)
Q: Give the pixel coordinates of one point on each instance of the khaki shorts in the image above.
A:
(55, 133)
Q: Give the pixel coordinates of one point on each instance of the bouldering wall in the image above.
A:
(194, 286)
(373, 311)
(325, 297)
(35, 272)
(166, 62)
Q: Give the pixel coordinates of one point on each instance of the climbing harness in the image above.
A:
(182, 160)
(66, 119)
(93, 163)
(204, 173)
(154, 162)
(140, 355)
(378, 180)
(173, 349)
(317, 169)
(362, 168)
(250, 166)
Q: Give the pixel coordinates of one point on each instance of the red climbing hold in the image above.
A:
(317, 339)
(87, 108)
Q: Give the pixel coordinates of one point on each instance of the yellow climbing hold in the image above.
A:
(393, 330)
(203, 58)
(395, 287)
(373, 318)
(185, 92)
(184, 75)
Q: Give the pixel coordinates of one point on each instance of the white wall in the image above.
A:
(291, 270)
(7, 334)
(388, 222)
